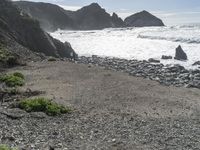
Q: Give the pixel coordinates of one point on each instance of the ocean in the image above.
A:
(136, 43)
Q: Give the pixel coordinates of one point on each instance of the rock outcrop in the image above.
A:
(180, 54)
(197, 63)
(53, 17)
(24, 35)
(118, 22)
(143, 19)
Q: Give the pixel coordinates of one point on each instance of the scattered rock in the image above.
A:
(180, 54)
(175, 75)
(166, 57)
(13, 113)
(197, 63)
(154, 60)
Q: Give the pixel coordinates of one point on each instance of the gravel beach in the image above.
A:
(112, 110)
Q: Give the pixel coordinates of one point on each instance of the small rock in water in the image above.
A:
(197, 63)
(166, 57)
(180, 54)
(154, 60)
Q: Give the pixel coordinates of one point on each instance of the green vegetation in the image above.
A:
(19, 74)
(5, 147)
(13, 80)
(43, 105)
(6, 57)
(12, 91)
(52, 59)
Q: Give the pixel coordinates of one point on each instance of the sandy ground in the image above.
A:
(105, 99)
(97, 90)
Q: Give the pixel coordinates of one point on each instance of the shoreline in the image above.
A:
(168, 75)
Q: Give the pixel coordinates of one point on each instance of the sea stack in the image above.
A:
(143, 19)
(180, 54)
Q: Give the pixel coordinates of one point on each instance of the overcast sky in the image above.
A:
(170, 11)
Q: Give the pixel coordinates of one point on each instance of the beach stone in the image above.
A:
(154, 60)
(166, 57)
(197, 63)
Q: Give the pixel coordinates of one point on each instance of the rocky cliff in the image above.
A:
(94, 17)
(24, 36)
(53, 17)
(143, 19)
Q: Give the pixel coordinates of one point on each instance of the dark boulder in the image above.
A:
(180, 54)
(154, 60)
(143, 19)
(166, 57)
(197, 63)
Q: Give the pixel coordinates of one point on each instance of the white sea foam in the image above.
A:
(136, 43)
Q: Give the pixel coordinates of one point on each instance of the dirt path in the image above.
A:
(117, 111)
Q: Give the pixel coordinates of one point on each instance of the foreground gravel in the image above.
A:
(100, 132)
(111, 111)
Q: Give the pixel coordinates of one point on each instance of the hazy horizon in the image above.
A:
(172, 12)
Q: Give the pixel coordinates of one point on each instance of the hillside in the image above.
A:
(143, 19)
(23, 36)
(53, 17)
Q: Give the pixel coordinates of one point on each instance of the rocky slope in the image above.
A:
(143, 19)
(52, 17)
(24, 37)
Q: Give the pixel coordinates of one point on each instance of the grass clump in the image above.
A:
(13, 80)
(43, 105)
(19, 74)
(7, 58)
(5, 147)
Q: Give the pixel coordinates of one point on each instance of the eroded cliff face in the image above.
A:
(53, 17)
(143, 19)
(18, 28)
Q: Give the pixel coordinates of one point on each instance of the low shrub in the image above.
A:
(12, 61)
(13, 80)
(5, 147)
(19, 74)
(7, 58)
(43, 105)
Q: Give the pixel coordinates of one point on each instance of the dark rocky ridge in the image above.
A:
(53, 17)
(24, 37)
(143, 19)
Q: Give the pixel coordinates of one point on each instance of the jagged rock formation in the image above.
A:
(180, 54)
(143, 19)
(52, 17)
(117, 20)
(24, 36)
